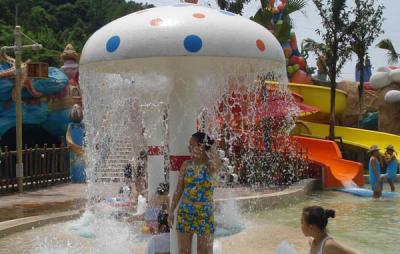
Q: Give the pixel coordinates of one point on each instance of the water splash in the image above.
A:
(217, 247)
(228, 218)
(141, 207)
(285, 248)
(349, 184)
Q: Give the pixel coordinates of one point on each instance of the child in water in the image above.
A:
(391, 166)
(313, 224)
(374, 169)
(157, 204)
(160, 243)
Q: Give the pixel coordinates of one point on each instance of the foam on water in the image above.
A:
(349, 184)
(285, 248)
(141, 207)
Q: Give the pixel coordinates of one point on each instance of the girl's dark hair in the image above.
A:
(203, 139)
(317, 215)
(162, 220)
(162, 188)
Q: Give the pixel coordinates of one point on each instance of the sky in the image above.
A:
(307, 21)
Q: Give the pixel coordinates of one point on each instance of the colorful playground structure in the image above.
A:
(54, 103)
(327, 153)
(51, 110)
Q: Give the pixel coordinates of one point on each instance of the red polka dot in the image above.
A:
(199, 15)
(260, 45)
(156, 22)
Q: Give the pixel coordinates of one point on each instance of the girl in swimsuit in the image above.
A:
(391, 166)
(374, 170)
(313, 224)
(195, 213)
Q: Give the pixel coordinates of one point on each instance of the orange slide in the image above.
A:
(327, 154)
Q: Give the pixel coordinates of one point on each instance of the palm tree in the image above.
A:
(319, 50)
(393, 56)
(335, 35)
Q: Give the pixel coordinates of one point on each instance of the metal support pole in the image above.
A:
(18, 126)
(19, 77)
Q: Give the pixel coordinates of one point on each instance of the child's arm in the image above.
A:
(178, 193)
(332, 247)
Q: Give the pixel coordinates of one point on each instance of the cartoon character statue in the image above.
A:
(367, 70)
(277, 10)
(70, 68)
(297, 69)
(296, 63)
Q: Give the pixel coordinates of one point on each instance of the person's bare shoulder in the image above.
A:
(184, 166)
(332, 247)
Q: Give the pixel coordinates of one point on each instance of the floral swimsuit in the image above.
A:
(196, 211)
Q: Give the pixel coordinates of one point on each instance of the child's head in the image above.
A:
(314, 219)
(390, 149)
(143, 155)
(374, 150)
(163, 188)
(199, 143)
(162, 220)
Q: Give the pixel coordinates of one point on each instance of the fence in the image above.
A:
(42, 167)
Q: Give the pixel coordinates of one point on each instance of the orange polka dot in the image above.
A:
(156, 22)
(199, 15)
(260, 45)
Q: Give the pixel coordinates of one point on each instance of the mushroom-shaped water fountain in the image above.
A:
(177, 61)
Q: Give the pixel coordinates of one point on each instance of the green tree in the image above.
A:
(335, 36)
(235, 6)
(40, 20)
(366, 27)
(6, 34)
(393, 56)
(54, 23)
(77, 36)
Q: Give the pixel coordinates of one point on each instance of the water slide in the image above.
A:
(319, 96)
(327, 154)
(352, 136)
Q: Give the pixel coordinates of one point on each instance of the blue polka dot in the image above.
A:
(181, 5)
(113, 43)
(227, 13)
(193, 43)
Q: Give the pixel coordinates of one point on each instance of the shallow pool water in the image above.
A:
(364, 224)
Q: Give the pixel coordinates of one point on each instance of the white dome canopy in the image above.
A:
(182, 30)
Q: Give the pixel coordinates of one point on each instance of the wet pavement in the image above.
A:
(57, 198)
(72, 196)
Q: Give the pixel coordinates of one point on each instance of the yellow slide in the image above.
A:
(352, 136)
(320, 96)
